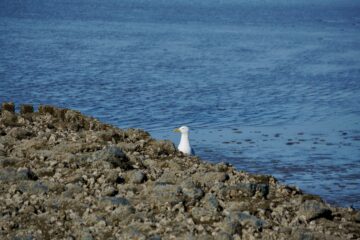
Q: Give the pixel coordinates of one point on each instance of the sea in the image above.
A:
(271, 87)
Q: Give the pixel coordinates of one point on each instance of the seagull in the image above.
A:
(184, 145)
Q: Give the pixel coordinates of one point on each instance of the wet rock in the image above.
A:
(313, 209)
(26, 108)
(9, 118)
(8, 106)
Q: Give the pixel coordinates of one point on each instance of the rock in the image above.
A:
(224, 235)
(247, 190)
(204, 215)
(356, 217)
(116, 201)
(246, 219)
(135, 135)
(113, 155)
(72, 190)
(19, 133)
(8, 106)
(210, 202)
(191, 192)
(161, 147)
(230, 226)
(44, 109)
(313, 209)
(26, 108)
(167, 193)
(11, 174)
(209, 178)
(33, 187)
(9, 118)
(137, 177)
(132, 233)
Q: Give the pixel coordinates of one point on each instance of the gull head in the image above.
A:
(182, 129)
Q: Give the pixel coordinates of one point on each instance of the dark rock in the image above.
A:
(26, 108)
(313, 209)
(113, 155)
(11, 174)
(356, 217)
(117, 201)
(20, 133)
(44, 109)
(8, 106)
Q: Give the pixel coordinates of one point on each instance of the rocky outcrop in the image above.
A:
(67, 176)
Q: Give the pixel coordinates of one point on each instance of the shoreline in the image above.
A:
(64, 175)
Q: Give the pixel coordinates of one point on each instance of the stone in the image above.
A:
(167, 193)
(313, 209)
(9, 118)
(204, 215)
(356, 217)
(230, 226)
(113, 155)
(191, 192)
(20, 133)
(246, 219)
(137, 177)
(210, 178)
(44, 109)
(26, 108)
(11, 174)
(8, 106)
(161, 147)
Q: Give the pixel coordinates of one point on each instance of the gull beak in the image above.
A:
(176, 130)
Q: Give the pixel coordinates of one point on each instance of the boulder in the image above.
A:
(313, 209)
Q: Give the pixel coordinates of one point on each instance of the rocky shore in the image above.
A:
(64, 175)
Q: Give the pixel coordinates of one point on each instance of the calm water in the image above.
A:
(272, 89)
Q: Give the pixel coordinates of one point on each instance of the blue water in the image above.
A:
(270, 88)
